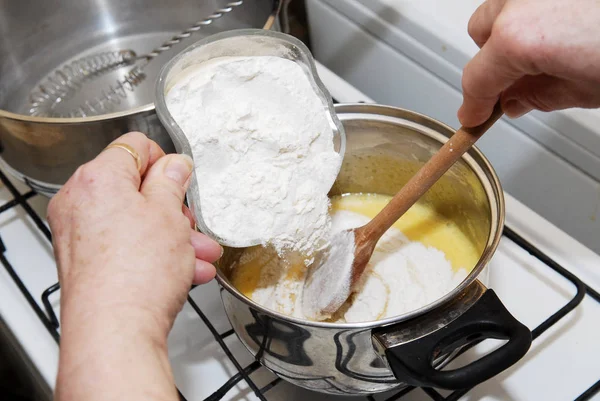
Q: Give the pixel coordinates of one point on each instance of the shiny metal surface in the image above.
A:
(384, 147)
(236, 43)
(37, 36)
(68, 79)
(429, 322)
(55, 91)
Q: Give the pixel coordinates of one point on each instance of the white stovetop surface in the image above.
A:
(566, 355)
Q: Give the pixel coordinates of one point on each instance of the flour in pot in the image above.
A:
(263, 150)
(401, 276)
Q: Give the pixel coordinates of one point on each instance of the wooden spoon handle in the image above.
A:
(428, 175)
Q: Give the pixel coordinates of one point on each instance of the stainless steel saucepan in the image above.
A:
(385, 146)
(37, 36)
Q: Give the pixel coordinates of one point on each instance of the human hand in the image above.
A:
(123, 243)
(535, 54)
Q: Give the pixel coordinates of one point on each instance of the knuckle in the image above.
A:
(473, 28)
(59, 213)
(468, 81)
(506, 30)
(507, 36)
(87, 175)
(53, 209)
(516, 40)
(138, 139)
(135, 135)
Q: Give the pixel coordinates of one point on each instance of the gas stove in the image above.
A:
(546, 279)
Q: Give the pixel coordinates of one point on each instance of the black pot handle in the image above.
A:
(412, 362)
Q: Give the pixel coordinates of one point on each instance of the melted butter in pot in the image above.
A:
(420, 223)
(421, 258)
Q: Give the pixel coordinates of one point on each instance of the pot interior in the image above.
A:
(385, 148)
(38, 36)
(381, 158)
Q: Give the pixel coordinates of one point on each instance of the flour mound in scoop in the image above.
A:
(263, 150)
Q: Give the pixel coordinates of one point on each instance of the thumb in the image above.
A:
(168, 179)
(547, 93)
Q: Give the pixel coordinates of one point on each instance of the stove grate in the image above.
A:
(50, 320)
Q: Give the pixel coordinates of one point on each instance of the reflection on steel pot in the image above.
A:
(38, 36)
(385, 147)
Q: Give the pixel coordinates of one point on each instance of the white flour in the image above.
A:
(329, 278)
(401, 276)
(263, 150)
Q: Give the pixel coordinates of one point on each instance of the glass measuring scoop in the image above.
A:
(237, 43)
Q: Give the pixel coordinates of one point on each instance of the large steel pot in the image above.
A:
(37, 36)
(385, 147)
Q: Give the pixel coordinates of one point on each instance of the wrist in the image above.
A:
(115, 346)
(127, 317)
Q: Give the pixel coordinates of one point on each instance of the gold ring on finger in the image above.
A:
(129, 149)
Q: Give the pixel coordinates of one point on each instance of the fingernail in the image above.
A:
(222, 252)
(515, 109)
(179, 168)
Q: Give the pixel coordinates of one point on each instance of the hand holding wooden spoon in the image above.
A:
(338, 267)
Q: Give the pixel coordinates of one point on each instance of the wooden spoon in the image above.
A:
(339, 266)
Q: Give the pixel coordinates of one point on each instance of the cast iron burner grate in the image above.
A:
(51, 323)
